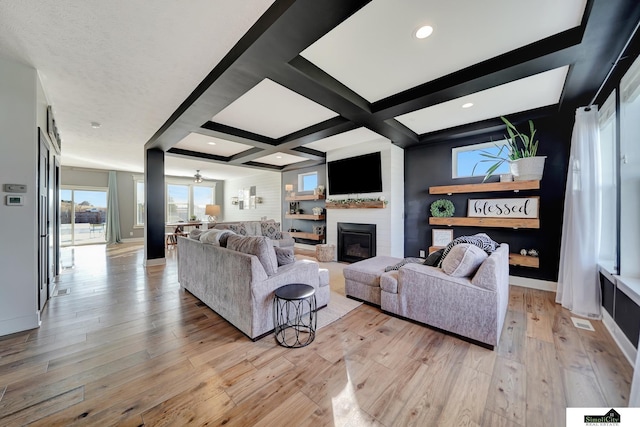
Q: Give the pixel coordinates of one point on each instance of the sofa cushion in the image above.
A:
(368, 271)
(463, 260)
(271, 229)
(284, 255)
(259, 246)
(389, 282)
(239, 229)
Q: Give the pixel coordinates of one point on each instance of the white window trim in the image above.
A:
(473, 147)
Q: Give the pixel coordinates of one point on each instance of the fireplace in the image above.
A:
(356, 241)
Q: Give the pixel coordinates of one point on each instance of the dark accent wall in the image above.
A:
(430, 165)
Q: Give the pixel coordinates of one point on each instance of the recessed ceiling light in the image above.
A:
(467, 105)
(211, 143)
(95, 125)
(278, 157)
(423, 32)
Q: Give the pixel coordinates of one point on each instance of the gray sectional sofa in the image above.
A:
(269, 228)
(468, 296)
(238, 281)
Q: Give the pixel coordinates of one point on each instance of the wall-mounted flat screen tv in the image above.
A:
(354, 175)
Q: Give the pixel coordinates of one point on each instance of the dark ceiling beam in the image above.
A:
(610, 25)
(240, 136)
(544, 55)
(284, 30)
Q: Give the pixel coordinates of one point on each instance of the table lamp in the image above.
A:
(213, 211)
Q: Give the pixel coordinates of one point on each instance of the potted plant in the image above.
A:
(520, 152)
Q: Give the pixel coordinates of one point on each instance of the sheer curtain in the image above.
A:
(578, 288)
(112, 234)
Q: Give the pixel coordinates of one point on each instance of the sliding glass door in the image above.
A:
(83, 213)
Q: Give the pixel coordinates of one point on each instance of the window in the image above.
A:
(83, 213)
(307, 181)
(608, 190)
(183, 200)
(463, 159)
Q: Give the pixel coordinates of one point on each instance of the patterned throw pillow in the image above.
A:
(481, 240)
(271, 229)
(239, 229)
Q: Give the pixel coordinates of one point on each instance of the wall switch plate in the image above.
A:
(15, 188)
(422, 254)
(131, 233)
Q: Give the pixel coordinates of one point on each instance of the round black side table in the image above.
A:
(294, 315)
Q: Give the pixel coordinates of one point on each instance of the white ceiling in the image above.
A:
(130, 64)
(378, 42)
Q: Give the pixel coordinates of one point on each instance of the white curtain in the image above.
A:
(578, 284)
(112, 234)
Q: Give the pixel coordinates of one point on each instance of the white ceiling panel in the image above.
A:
(345, 139)
(280, 159)
(272, 110)
(525, 94)
(375, 53)
(210, 145)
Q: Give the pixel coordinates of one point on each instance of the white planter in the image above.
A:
(528, 168)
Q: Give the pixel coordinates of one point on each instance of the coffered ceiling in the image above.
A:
(232, 88)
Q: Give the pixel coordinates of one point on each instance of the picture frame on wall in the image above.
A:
(440, 238)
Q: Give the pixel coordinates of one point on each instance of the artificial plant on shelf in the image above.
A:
(519, 147)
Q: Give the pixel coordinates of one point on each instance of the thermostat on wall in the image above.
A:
(13, 200)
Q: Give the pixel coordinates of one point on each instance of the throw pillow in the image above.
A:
(195, 233)
(224, 237)
(463, 260)
(270, 229)
(403, 262)
(480, 240)
(434, 258)
(240, 229)
(259, 246)
(213, 236)
(284, 256)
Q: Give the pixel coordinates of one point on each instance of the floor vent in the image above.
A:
(61, 292)
(582, 324)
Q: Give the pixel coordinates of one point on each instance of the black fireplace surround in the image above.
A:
(356, 241)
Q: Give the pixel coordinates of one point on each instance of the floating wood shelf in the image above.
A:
(524, 260)
(374, 204)
(486, 222)
(486, 187)
(514, 259)
(305, 216)
(308, 236)
(305, 197)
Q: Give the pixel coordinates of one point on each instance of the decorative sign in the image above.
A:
(522, 207)
(441, 237)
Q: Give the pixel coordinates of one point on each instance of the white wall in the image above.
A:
(268, 187)
(390, 220)
(18, 165)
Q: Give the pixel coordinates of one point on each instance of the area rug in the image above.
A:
(338, 307)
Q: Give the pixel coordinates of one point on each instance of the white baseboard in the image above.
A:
(19, 324)
(154, 262)
(543, 285)
(619, 337)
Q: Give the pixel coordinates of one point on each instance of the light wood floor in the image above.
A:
(125, 346)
